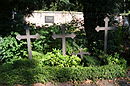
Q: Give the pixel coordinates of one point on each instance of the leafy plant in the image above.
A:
(106, 59)
(88, 61)
(11, 50)
(46, 42)
(116, 59)
(55, 58)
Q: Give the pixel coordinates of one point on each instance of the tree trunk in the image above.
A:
(92, 19)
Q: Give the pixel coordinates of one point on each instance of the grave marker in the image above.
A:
(106, 28)
(28, 37)
(81, 53)
(63, 36)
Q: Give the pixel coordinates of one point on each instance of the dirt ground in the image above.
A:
(116, 82)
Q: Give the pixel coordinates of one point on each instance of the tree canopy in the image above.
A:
(94, 10)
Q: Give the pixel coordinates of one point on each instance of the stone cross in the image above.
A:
(28, 37)
(81, 53)
(63, 36)
(106, 28)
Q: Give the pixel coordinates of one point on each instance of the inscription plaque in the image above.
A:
(49, 19)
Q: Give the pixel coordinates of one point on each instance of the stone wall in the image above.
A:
(40, 18)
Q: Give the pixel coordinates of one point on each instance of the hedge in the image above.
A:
(33, 73)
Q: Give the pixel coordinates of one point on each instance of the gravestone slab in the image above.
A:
(41, 18)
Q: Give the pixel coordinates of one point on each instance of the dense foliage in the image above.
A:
(12, 11)
(30, 71)
(48, 64)
(11, 50)
(49, 50)
(55, 58)
(94, 13)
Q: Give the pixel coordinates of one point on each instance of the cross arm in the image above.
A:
(72, 35)
(104, 28)
(54, 36)
(19, 37)
(84, 53)
(37, 36)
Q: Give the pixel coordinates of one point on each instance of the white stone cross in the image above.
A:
(28, 37)
(106, 28)
(63, 36)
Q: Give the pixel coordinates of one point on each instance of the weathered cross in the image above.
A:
(106, 28)
(81, 53)
(28, 37)
(63, 36)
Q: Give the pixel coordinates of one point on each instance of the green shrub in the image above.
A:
(25, 63)
(106, 59)
(11, 50)
(118, 40)
(27, 75)
(90, 61)
(113, 59)
(55, 58)
(116, 59)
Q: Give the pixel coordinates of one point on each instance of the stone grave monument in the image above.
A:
(28, 37)
(63, 36)
(106, 28)
(81, 53)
